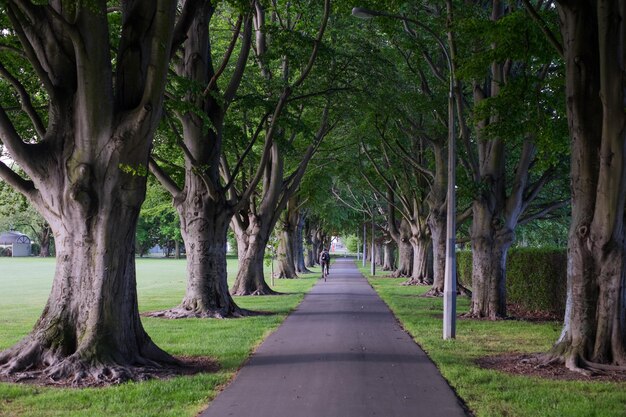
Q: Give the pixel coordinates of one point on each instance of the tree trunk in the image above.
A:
(243, 242)
(88, 180)
(299, 245)
(405, 259)
(250, 277)
(204, 227)
(419, 275)
(310, 250)
(176, 249)
(594, 331)
(437, 224)
(285, 256)
(44, 241)
(379, 253)
(489, 249)
(90, 328)
(389, 262)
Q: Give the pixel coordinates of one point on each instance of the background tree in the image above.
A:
(16, 213)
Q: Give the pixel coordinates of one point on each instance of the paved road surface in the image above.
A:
(340, 354)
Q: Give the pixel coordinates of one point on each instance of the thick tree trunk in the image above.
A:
(299, 245)
(45, 238)
(310, 260)
(405, 259)
(419, 275)
(389, 262)
(594, 331)
(204, 227)
(243, 242)
(176, 249)
(88, 180)
(379, 253)
(93, 335)
(250, 278)
(285, 256)
(437, 224)
(489, 250)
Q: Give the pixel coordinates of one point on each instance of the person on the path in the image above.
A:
(325, 262)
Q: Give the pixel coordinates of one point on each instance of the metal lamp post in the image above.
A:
(373, 252)
(449, 292)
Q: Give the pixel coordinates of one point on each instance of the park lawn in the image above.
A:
(24, 287)
(490, 393)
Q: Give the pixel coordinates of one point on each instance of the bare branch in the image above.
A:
(19, 22)
(544, 27)
(25, 187)
(165, 180)
(316, 46)
(19, 150)
(242, 158)
(27, 104)
(543, 211)
(235, 79)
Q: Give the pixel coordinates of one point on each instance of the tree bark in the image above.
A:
(299, 245)
(310, 250)
(88, 180)
(285, 255)
(401, 236)
(389, 261)
(419, 275)
(594, 331)
(379, 253)
(437, 226)
(250, 278)
(45, 240)
(203, 205)
(204, 227)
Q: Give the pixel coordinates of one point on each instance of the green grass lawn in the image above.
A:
(489, 392)
(24, 287)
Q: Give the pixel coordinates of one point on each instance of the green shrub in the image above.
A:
(536, 278)
(352, 243)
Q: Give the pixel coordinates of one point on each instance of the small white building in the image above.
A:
(18, 242)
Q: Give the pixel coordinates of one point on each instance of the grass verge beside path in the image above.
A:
(24, 288)
(488, 392)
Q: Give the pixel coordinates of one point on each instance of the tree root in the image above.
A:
(414, 281)
(433, 293)
(259, 291)
(182, 312)
(30, 362)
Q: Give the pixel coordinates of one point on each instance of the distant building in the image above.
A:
(337, 246)
(18, 243)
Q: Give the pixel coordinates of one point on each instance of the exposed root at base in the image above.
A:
(73, 373)
(471, 316)
(185, 313)
(415, 282)
(257, 292)
(433, 293)
(546, 366)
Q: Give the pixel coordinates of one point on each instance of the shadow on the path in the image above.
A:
(359, 355)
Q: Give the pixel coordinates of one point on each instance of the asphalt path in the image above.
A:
(340, 354)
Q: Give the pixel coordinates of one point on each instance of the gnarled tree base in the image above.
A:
(30, 362)
(414, 281)
(258, 291)
(545, 366)
(182, 312)
(438, 292)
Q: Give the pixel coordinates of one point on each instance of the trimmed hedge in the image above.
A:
(536, 278)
